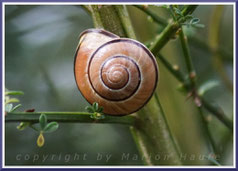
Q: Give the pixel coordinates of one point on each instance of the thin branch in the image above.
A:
(78, 117)
(180, 77)
(226, 55)
(218, 113)
(170, 30)
(156, 18)
(164, 37)
(196, 41)
(192, 75)
(211, 142)
(187, 57)
(176, 72)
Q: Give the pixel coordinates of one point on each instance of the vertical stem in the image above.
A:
(167, 124)
(164, 37)
(187, 57)
(192, 75)
(170, 31)
(151, 132)
(211, 142)
(125, 20)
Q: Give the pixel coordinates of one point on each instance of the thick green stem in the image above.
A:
(155, 138)
(170, 31)
(125, 20)
(151, 132)
(226, 55)
(78, 117)
(106, 16)
(164, 37)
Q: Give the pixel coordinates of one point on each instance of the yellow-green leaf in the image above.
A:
(40, 140)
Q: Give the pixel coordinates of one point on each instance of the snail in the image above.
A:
(120, 74)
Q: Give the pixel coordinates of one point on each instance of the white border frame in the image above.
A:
(118, 3)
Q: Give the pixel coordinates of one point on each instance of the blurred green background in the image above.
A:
(40, 42)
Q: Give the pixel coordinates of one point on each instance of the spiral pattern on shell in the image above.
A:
(119, 74)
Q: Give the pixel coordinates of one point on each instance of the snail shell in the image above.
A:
(119, 74)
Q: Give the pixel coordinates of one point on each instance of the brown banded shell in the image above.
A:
(119, 74)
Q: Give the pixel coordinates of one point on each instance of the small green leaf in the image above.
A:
(8, 107)
(43, 121)
(12, 100)
(195, 21)
(188, 17)
(100, 109)
(51, 127)
(14, 93)
(199, 25)
(16, 107)
(149, 18)
(207, 86)
(40, 140)
(177, 11)
(95, 106)
(163, 6)
(23, 125)
(89, 109)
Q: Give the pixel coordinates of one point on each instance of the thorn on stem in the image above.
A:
(145, 6)
(178, 31)
(195, 97)
(209, 118)
(176, 67)
(192, 75)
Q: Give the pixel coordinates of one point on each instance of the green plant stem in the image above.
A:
(211, 142)
(212, 109)
(170, 31)
(106, 16)
(176, 72)
(163, 38)
(218, 113)
(192, 77)
(187, 57)
(154, 135)
(195, 41)
(125, 21)
(151, 133)
(78, 117)
(226, 55)
(175, 145)
(155, 18)
(142, 145)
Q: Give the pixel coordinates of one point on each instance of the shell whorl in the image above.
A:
(120, 74)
